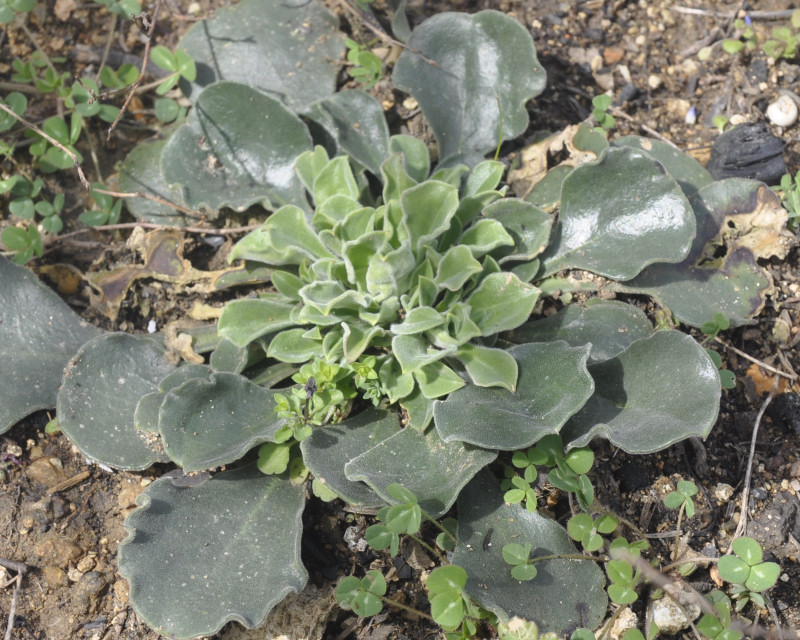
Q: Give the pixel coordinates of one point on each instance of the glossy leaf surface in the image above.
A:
(576, 586)
(553, 384)
(101, 388)
(660, 390)
(236, 149)
(283, 49)
(39, 333)
(228, 549)
(211, 421)
(608, 325)
(482, 60)
(431, 469)
(329, 449)
(618, 215)
(740, 219)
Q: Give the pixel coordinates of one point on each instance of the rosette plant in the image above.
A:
(394, 330)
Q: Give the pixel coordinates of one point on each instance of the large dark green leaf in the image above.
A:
(99, 393)
(553, 384)
(284, 49)
(434, 471)
(355, 122)
(229, 549)
(738, 220)
(618, 215)
(39, 333)
(141, 172)
(236, 149)
(660, 390)
(690, 174)
(486, 70)
(609, 326)
(565, 594)
(330, 448)
(211, 421)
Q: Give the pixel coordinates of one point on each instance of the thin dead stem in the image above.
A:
(145, 59)
(742, 526)
(52, 141)
(152, 225)
(760, 363)
(135, 194)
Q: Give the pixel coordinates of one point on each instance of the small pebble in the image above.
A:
(783, 112)
(759, 494)
(723, 492)
(151, 326)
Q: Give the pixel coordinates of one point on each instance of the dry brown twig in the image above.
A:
(20, 568)
(148, 25)
(742, 526)
(52, 141)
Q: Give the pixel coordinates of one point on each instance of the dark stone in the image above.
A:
(749, 150)
(785, 411)
(628, 93)
(776, 523)
(757, 70)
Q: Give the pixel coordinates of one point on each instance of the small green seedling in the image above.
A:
(748, 39)
(405, 517)
(718, 323)
(180, 64)
(784, 41)
(789, 192)
(23, 242)
(717, 627)
(106, 209)
(748, 574)
(367, 68)
(624, 579)
(720, 122)
(681, 499)
(9, 8)
(365, 596)
(600, 113)
(588, 531)
(520, 491)
(519, 557)
(726, 377)
(448, 601)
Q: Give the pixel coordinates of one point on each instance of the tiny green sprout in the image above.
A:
(748, 574)
(733, 46)
(24, 243)
(726, 377)
(446, 540)
(405, 517)
(789, 192)
(367, 68)
(582, 634)
(717, 627)
(582, 528)
(681, 499)
(624, 579)
(273, 457)
(321, 490)
(9, 8)
(519, 557)
(720, 122)
(180, 64)
(521, 492)
(600, 113)
(782, 44)
(52, 427)
(364, 596)
(106, 209)
(446, 594)
(719, 322)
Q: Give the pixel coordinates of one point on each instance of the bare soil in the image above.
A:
(63, 518)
